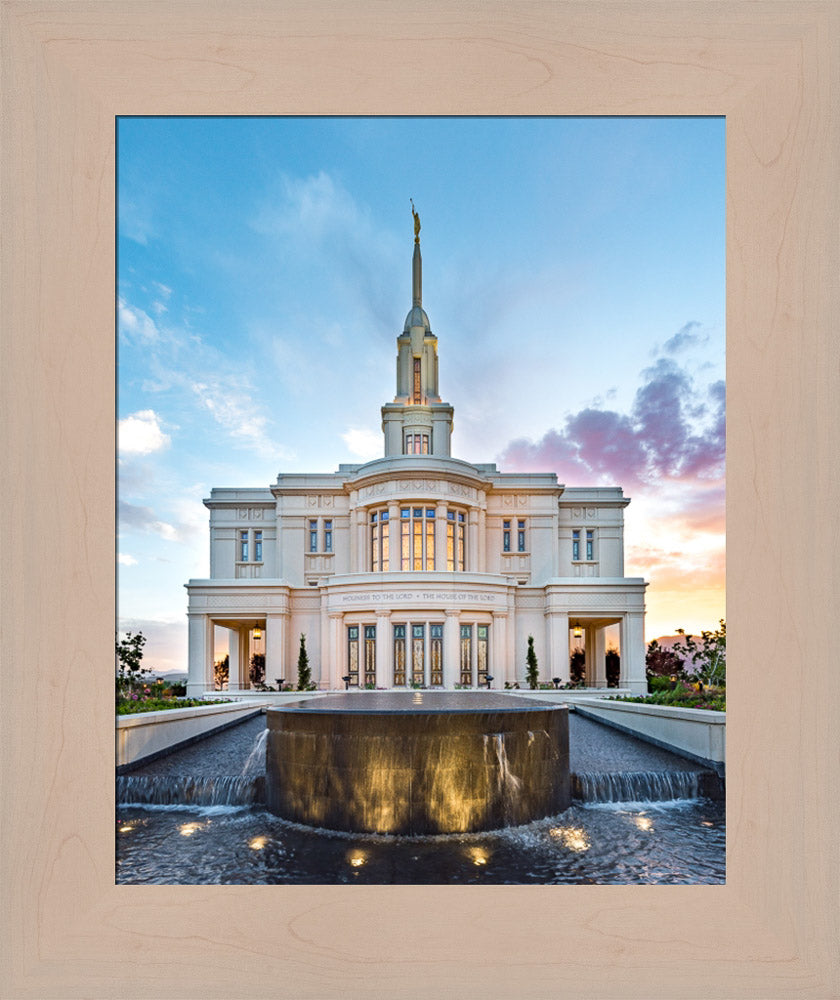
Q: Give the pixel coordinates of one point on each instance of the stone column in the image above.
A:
(482, 541)
(451, 648)
(276, 663)
(384, 650)
(633, 652)
(599, 676)
(589, 649)
(200, 658)
(394, 554)
(472, 541)
(557, 647)
(362, 554)
(440, 537)
(499, 665)
(234, 659)
(335, 668)
(474, 653)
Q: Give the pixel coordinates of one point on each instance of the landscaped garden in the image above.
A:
(691, 674)
(137, 691)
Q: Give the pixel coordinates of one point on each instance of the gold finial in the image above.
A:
(416, 222)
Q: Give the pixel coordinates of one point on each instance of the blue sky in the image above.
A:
(573, 272)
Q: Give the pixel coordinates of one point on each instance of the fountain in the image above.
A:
(420, 762)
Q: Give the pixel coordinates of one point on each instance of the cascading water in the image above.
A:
(636, 786)
(163, 790)
(256, 758)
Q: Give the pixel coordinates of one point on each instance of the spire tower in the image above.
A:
(417, 422)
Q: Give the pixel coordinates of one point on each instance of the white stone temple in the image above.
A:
(416, 569)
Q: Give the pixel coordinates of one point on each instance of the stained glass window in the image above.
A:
(353, 655)
(399, 656)
(370, 655)
(436, 657)
(418, 643)
(466, 656)
(483, 654)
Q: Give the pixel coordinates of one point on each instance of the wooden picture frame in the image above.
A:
(68, 70)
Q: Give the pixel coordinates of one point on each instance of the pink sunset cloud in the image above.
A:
(668, 453)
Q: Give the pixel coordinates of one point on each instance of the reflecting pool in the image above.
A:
(674, 842)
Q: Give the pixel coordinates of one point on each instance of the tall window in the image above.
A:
(370, 655)
(436, 664)
(416, 444)
(505, 536)
(520, 536)
(455, 540)
(466, 656)
(417, 538)
(313, 536)
(575, 545)
(327, 536)
(243, 546)
(353, 655)
(418, 648)
(483, 654)
(257, 546)
(417, 388)
(379, 541)
(590, 544)
(399, 656)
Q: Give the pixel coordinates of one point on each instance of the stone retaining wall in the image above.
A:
(141, 737)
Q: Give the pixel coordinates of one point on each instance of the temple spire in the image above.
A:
(417, 262)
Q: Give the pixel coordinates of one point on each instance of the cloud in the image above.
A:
(673, 433)
(228, 401)
(315, 220)
(144, 519)
(141, 434)
(126, 560)
(363, 443)
(135, 323)
(685, 338)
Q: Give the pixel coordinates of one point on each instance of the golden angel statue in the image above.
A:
(416, 222)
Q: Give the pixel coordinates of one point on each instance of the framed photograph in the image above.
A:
(69, 73)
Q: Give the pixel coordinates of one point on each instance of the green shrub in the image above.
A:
(134, 704)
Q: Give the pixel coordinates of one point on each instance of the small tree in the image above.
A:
(533, 670)
(661, 662)
(707, 659)
(221, 672)
(256, 670)
(130, 667)
(577, 665)
(304, 673)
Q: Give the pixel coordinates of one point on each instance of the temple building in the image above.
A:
(416, 569)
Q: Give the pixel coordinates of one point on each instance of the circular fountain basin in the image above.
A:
(419, 762)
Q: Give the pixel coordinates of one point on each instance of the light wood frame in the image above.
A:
(68, 68)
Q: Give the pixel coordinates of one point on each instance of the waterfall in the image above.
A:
(508, 784)
(256, 758)
(636, 786)
(168, 791)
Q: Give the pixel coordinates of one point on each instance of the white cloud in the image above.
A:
(141, 434)
(229, 403)
(126, 560)
(136, 323)
(363, 443)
